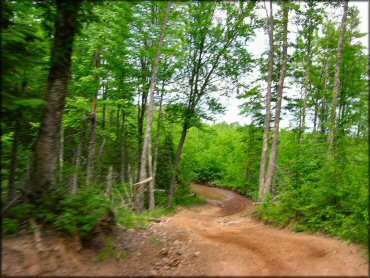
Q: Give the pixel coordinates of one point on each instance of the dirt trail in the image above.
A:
(220, 238)
(232, 242)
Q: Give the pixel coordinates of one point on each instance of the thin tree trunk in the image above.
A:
(176, 163)
(274, 149)
(315, 117)
(323, 108)
(333, 114)
(108, 192)
(123, 173)
(104, 106)
(101, 155)
(139, 201)
(92, 144)
(15, 146)
(266, 132)
(77, 168)
(47, 145)
(14, 159)
(151, 182)
(307, 81)
(157, 140)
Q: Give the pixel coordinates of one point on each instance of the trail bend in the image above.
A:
(232, 242)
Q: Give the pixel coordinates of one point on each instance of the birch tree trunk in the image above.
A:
(273, 157)
(266, 132)
(157, 140)
(139, 199)
(46, 150)
(333, 113)
(323, 105)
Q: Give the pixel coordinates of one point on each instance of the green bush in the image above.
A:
(185, 197)
(10, 226)
(81, 212)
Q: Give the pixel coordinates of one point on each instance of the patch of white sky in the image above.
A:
(259, 44)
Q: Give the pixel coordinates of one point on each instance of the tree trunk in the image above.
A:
(336, 77)
(323, 107)
(176, 163)
(77, 169)
(151, 182)
(266, 132)
(14, 159)
(139, 200)
(307, 81)
(104, 106)
(108, 192)
(157, 140)
(274, 148)
(92, 144)
(315, 117)
(101, 156)
(124, 154)
(47, 145)
(15, 146)
(61, 154)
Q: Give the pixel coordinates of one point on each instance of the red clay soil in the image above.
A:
(221, 238)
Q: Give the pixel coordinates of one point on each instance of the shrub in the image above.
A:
(81, 212)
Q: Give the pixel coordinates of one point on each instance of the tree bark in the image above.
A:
(92, 144)
(105, 89)
(274, 149)
(323, 106)
(77, 169)
(124, 153)
(61, 154)
(307, 80)
(157, 140)
(266, 132)
(139, 200)
(47, 145)
(14, 157)
(108, 192)
(15, 146)
(333, 113)
(315, 117)
(176, 163)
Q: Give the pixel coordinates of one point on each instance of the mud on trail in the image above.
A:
(220, 238)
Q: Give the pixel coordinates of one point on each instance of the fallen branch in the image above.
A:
(144, 181)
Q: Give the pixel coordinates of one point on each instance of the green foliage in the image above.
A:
(185, 197)
(81, 212)
(130, 219)
(10, 226)
(205, 55)
(222, 154)
(318, 193)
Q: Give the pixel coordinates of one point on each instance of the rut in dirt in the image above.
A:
(233, 242)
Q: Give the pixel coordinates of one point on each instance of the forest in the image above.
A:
(110, 110)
